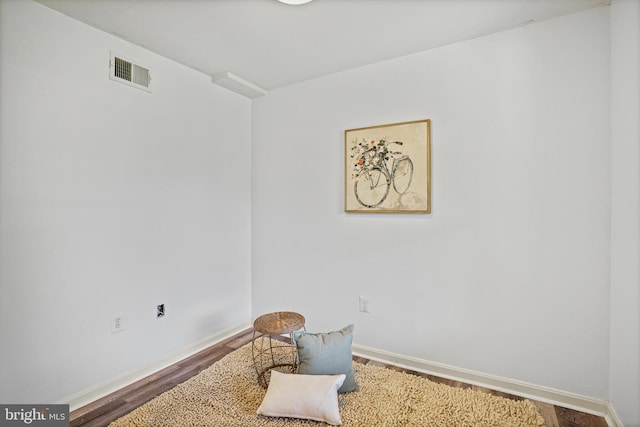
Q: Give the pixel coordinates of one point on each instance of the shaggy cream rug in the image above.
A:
(227, 395)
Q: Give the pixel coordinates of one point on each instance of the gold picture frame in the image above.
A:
(388, 168)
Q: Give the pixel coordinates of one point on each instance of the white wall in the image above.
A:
(625, 220)
(113, 200)
(509, 275)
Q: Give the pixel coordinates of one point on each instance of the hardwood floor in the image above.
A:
(115, 405)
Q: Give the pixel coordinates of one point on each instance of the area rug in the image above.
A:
(227, 394)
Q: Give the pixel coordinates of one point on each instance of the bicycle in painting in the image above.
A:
(376, 169)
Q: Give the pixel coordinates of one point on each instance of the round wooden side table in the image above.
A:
(269, 349)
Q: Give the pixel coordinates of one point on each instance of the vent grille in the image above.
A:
(123, 69)
(127, 72)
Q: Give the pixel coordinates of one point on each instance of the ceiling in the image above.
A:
(270, 44)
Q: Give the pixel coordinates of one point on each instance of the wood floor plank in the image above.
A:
(103, 411)
(548, 412)
(204, 360)
(85, 415)
(572, 418)
(106, 418)
(240, 340)
(360, 360)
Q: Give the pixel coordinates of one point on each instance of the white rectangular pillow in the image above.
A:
(310, 397)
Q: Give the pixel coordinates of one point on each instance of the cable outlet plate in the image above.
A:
(117, 323)
(159, 311)
(365, 305)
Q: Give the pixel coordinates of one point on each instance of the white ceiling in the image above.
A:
(272, 45)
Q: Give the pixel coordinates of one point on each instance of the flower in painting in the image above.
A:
(367, 154)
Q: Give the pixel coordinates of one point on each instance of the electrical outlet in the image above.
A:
(117, 323)
(160, 311)
(365, 305)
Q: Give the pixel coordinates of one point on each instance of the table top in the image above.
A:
(280, 322)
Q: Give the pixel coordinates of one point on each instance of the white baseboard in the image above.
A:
(519, 388)
(612, 417)
(88, 396)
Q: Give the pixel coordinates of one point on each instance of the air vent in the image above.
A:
(125, 71)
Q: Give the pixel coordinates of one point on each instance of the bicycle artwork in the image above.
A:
(387, 168)
(377, 169)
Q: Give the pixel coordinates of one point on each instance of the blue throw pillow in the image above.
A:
(327, 354)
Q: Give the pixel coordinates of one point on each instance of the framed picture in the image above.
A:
(388, 168)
